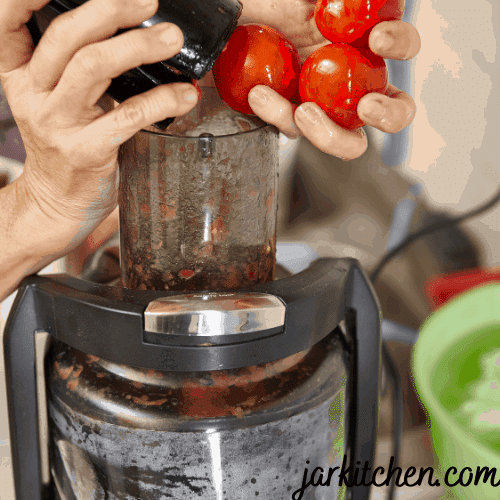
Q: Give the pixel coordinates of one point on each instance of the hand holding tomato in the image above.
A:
(389, 113)
(256, 55)
(349, 21)
(337, 76)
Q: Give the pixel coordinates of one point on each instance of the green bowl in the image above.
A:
(446, 359)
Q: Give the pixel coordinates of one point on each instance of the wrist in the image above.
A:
(20, 252)
(31, 235)
(75, 200)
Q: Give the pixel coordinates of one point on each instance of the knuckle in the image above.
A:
(40, 120)
(138, 7)
(60, 27)
(172, 98)
(63, 21)
(89, 60)
(132, 115)
(126, 10)
(113, 9)
(132, 44)
(150, 5)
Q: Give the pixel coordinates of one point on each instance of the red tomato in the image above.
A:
(256, 55)
(337, 76)
(344, 21)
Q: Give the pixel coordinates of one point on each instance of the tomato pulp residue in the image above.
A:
(251, 265)
(192, 395)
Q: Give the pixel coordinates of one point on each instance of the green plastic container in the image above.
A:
(446, 360)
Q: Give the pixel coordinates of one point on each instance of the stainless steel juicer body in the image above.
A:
(119, 432)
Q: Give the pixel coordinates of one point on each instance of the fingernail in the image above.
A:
(383, 42)
(308, 114)
(169, 35)
(190, 95)
(258, 96)
(374, 110)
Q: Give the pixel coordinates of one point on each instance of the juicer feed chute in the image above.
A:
(198, 210)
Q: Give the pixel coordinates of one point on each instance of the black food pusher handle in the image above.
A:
(206, 25)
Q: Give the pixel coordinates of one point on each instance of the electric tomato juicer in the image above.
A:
(199, 374)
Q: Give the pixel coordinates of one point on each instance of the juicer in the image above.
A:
(200, 373)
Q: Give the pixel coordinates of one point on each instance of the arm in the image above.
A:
(23, 238)
(30, 239)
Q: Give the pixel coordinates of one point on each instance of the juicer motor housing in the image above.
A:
(174, 332)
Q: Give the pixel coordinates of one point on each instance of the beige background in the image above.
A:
(454, 139)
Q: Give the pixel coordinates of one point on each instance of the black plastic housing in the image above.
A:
(108, 322)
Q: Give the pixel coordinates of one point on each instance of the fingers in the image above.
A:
(309, 120)
(94, 21)
(271, 107)
(389, 113)
(138, 112)
(89, 73)
(394, 40)
(15, 13)
(327, 135)
(15, 41)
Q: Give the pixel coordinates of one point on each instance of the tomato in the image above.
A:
(337, 76)
(256, 55)
(344, 21)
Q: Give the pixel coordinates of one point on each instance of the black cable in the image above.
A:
(398, 407)
(430, 229)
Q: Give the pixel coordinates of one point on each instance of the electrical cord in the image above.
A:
(430, 229)
(398, 397)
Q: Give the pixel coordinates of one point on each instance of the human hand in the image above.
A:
(391, 113)
(70, 175)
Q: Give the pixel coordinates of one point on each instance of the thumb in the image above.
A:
(16, 43)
